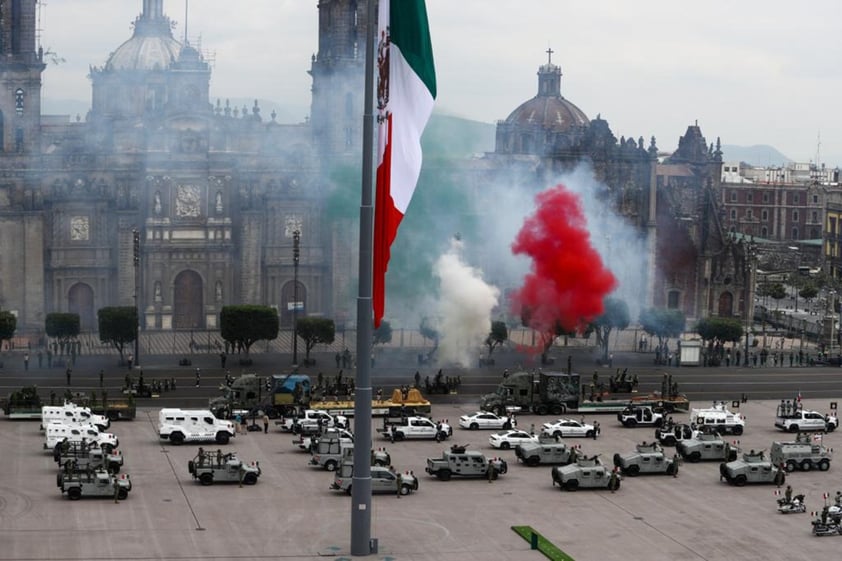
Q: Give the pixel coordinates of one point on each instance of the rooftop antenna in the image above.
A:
(186, 7)
(818, 149)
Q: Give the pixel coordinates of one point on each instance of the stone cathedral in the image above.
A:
(215, 192)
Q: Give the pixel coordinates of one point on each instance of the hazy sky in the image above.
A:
(751, 72)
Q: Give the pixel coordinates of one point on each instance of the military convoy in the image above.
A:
(586, 473)
(646, 459)
(707, 447)
(215, 467)
(457, 461)
(801, 454)
(753, 467)
(548, 450)
(96, 483)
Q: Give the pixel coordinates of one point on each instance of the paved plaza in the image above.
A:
(291, 514)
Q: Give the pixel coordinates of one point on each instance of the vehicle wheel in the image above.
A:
(791, 465)
(177, 439)
(824, 465)
(330, 465)
(829, 427)
(113, 415)
(806, 465)
(738, 430)
(630, 423)
(405, 489)
(740, 480)
(505, 446)
(249, 479)
(122, 494)
(399, 436)
(74, 493)
(533, 461)
(206, 479)
(475, 426)
(444, 474)
(541, 409)
(793, 428)
(222, 437)
(114, 467)
(589, 434)
(557, 410)
(633, 470)
(694, 457)
(572, 485)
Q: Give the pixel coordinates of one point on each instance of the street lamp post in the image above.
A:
(750, 250)
(296, 253)
(136, 255)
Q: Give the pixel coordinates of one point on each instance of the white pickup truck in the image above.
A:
(312, 421)
(418, 428)
(791, 417)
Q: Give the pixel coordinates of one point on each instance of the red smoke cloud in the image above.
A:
(568, 281)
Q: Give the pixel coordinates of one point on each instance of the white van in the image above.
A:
(59, 432)
(72, 414)
(719, 418)
(193, 425)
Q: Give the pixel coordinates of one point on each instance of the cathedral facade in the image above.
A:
(214, 193)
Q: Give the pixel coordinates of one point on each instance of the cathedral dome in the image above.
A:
(143, 52)
(549, 110)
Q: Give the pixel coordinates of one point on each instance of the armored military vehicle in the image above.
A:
(546, 451)
(753, 467)
(586, 473)
(646, 458)
(383, 480)
(718, 416)
(460, 462)
(803, 454)
(93, 483)
(193, 425)
(707, 447)
(640, 416)
(215, 467)
(78, 456)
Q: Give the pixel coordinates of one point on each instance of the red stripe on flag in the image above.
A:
(386, 221)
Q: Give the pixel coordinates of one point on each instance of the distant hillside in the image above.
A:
(759, 155)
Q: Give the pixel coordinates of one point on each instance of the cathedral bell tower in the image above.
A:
(338, 78)
(21, 65)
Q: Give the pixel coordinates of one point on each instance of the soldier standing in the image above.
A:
(399, 480)
(788, 494)
(676, 460)
(67, 373)
(595, 429)
(198, 376)
(101, 376)
(491, 470)
(116, 490)
(265, 423)
(614, 480)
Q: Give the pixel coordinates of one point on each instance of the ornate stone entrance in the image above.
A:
(80, 300)
(188, 301)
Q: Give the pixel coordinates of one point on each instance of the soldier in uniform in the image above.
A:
(201, 457)
(116, 490)
(399, 480)
(491, 472)
(676, 460)
(788, 494)
(614, 480)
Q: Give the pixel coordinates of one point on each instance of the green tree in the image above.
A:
(719, 329)
(614, 316)
(382, 334)
(8, 325)
(315, 330)
(497, 336)
(247, 324)
(662, 323)
(63, 327)
(777, 291)
(809, 292)
(118, 326)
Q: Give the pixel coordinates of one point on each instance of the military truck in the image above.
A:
(753, 467)
(215, 467)
(719, 418)
(383, 479)
(23, 404)
(458, 461)
(277, 396)
(78, 456)
(548, 451)
(586, 473)
(646, 458)
(97, 483)
(707, 447)
(792, 417)
(193, 425)
(801, 454)
(640, 415)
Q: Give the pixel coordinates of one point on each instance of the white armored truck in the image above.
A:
(193, 425)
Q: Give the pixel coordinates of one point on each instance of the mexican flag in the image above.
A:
(406, 89)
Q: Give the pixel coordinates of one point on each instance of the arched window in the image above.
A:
(19, 101)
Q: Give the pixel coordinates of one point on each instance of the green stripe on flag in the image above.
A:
(410, 31)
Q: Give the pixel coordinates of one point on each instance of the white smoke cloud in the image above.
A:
(464, 308)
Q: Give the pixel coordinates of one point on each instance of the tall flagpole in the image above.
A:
(361, 486)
